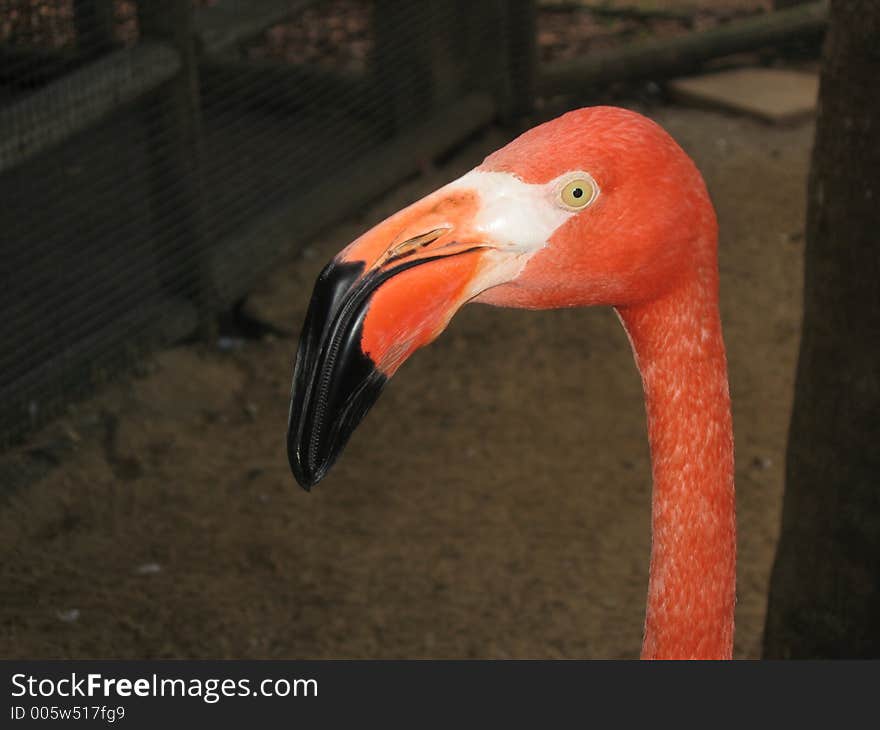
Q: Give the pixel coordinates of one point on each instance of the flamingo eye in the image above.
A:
(578, 193)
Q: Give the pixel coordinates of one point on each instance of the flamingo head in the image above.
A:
(599, 206)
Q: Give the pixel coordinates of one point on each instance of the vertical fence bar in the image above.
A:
(402, 62)
(94, 23)
(175, 120)
(523, 49)
(484, 26)
(447, 63)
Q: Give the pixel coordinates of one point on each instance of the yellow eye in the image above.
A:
(578, 193)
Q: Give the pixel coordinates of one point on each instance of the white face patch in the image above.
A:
(514, 215)
(517, 219)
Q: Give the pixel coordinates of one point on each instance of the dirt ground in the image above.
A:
(495, 503)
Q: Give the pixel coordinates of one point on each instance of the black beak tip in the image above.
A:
(305, 482)
(305, 476)
(334, 381)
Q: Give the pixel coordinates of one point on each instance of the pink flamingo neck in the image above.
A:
(680, 353)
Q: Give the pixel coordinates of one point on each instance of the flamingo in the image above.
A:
(597, 207)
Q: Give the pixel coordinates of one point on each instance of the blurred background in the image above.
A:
(174, 174)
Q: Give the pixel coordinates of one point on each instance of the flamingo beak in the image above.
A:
(390, 292)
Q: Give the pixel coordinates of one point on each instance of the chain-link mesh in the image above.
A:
(156, 157)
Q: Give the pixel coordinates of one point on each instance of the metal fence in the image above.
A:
(156, 157)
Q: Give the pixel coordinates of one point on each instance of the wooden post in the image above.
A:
(522, 66)
(429, 54)
(174, 115)
(447, 67)
(486, 30)
(94, 24)
(401, 62)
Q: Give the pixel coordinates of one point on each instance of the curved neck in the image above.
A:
(691, 591)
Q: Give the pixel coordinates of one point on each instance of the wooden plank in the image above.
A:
(26, 68)
(177, 173)
(613, 10)
(673, 56)
(774, 95)
(224, 24)
(241, 258)
(78, 100)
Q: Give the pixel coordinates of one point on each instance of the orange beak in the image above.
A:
(390, 292)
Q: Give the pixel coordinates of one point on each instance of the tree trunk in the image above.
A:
(825, 588)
